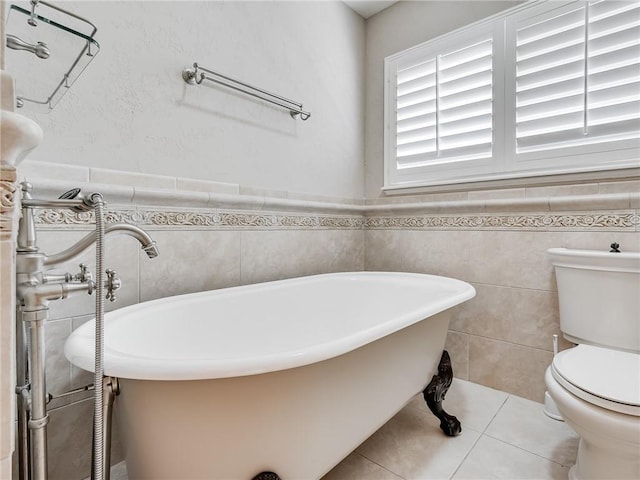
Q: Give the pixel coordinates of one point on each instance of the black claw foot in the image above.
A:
(267, 476)
(434, 395)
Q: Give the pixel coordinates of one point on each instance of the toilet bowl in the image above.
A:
(605, 412)
(596, 385)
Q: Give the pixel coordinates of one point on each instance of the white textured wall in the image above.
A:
(132, 111)
(397, 28)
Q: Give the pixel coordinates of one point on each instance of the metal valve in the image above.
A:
(84, 275)
(113, 283)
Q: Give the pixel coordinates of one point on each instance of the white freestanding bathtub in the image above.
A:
(287, 376)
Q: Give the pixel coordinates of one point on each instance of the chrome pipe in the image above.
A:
(27, 238)
(86, 388)
(110, 389)
(148, 244)
(22, 402)
(279, 97)
(57, 203)
(38, 417)
(292, 110)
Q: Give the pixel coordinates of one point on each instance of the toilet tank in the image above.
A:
(599, 297)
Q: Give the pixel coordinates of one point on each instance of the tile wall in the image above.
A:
(207, 240)
(214, 238)
(191, 261)
(497, 241)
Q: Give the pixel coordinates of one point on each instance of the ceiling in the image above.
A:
(368, 8)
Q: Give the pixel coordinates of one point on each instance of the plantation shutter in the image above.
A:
(545, 88)
(443, 105)
(578, 76)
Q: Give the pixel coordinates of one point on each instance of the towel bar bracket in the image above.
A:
(189, 76)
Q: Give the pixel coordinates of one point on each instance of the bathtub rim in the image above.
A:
(79, 347)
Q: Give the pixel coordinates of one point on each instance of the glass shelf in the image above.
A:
(42, 82)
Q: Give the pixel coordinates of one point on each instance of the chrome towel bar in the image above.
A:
(198, 74)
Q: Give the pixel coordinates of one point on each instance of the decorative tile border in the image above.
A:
(219, 219)
(626, 220)
(203, 219)
(8, 207)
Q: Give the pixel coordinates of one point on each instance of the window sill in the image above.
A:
(465, 185)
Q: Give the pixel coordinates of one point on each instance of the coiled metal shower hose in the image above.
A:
(98, 414)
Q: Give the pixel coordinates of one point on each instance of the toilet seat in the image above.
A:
(601, 376)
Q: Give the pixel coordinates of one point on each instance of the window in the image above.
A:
(546, 89)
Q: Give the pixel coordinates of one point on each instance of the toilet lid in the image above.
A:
(602, 376)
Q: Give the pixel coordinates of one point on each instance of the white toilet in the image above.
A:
(596, 385)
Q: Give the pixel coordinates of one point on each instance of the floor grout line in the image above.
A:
(381, 466)
(482, 433)
(527, 451)
(496, 414)
(466, 456)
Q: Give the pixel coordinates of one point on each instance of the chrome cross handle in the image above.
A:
(113, 283)
(84, 275)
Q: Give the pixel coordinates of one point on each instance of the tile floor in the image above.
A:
(503, 437)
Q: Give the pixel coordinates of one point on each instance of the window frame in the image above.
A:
(505, 166)
(452, 41)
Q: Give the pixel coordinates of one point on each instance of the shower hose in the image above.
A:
(98, 413)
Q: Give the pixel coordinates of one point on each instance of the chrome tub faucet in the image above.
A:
(35, 288)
